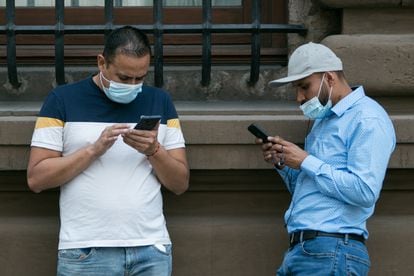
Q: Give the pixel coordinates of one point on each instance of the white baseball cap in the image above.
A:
(308, 59)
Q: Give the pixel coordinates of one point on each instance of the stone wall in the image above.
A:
(230, 221)
(375, 40)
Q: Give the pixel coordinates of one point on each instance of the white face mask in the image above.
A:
(120, 92)
(313, 108)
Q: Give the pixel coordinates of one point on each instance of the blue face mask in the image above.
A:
(120, 92)
(313, 108)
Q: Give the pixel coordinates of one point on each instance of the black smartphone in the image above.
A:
(147, 122)
(258, 132)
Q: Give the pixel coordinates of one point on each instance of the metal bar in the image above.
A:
(255, 44)
(11, 45)
(206, 58)
(168, 29)
(109, 17)
(158, 44)
(157, 29)
(59, 42)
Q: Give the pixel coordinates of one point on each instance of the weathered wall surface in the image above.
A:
(230, 222)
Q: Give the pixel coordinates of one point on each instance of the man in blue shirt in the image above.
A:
(336, 179)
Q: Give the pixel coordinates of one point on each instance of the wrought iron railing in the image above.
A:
(157, 29)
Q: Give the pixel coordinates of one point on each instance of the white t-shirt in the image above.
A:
(117, 200)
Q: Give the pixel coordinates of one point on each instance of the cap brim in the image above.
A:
(283, 81)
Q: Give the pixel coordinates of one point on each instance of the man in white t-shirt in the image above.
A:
(110, 175)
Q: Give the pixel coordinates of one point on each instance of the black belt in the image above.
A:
(297, 237)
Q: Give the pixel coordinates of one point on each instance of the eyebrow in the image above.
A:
(126, 76)
(305, 81)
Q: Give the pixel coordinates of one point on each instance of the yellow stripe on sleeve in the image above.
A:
(174, 123)
(42, 122)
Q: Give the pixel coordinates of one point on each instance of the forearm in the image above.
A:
(54, 172)
(171, 169)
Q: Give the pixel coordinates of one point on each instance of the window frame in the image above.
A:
(178, 48)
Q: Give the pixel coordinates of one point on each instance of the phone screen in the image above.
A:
(148, 122)
(258, 132)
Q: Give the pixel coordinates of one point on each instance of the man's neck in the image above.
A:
(341, 91)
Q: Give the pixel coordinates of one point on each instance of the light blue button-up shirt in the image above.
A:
(338, 183)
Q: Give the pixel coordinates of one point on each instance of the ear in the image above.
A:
(101, 62)
(331, 78)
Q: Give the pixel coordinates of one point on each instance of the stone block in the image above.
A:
(182, 82)
(16, 130)
(221, 233)
(408, 3)
(33, 240)
(361, 4)
(14, 157)
(378, 21)
(384, 64)
(232, 129)
(216, 133)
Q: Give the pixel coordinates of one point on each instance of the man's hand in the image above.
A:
(282, 153)
(144, 141)
(108, 138)
(170, 166)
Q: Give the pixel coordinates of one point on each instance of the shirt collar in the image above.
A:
(345, 103)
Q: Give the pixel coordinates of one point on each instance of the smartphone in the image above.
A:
(148, 122)
(258, 132)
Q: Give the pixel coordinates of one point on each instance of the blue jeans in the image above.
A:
(152, 260)
(326, 256)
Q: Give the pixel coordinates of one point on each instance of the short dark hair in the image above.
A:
(340, 74)
(126, 40)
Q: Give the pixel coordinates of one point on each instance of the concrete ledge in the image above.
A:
(220, 157)
(225, 155)
(219, 122)
(378, 21)
(390, 56)
(216, 132)
(367, 3)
